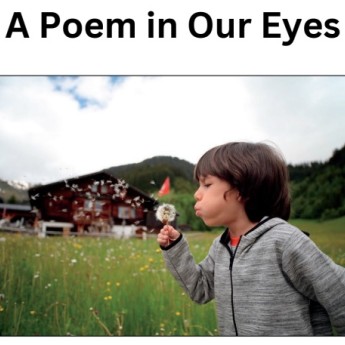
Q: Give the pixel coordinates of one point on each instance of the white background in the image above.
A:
(183, 55)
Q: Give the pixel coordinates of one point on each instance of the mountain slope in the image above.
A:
(318, 190)
(149, 174)
(12, 194)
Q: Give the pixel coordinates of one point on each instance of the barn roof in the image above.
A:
(97, 176)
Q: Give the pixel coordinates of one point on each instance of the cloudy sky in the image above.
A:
(52, 128)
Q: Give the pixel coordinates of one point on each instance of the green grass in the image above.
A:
(102, 286)
(93, 286)
(329, 236)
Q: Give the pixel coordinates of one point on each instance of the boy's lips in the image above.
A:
(197, 211)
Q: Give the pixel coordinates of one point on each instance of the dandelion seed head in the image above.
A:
(166, 213)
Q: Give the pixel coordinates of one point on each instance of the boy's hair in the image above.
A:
(257, 170)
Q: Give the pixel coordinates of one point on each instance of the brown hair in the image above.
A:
(257, 170)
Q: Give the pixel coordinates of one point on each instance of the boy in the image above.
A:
(267, 277)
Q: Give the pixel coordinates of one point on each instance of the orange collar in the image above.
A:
(234, 241)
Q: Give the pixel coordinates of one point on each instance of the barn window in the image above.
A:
(93, 205)
(126, 212)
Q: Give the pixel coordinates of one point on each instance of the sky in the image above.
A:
(54, 128)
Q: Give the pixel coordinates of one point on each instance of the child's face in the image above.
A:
(217, 203)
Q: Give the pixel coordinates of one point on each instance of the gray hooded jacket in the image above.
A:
(276, 283)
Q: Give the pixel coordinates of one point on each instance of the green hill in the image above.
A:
(318, 189)
(150, 174)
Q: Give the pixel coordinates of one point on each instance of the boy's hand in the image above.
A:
(167, 235)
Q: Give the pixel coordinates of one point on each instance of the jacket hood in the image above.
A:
(253, 234)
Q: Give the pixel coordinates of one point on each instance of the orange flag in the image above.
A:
(165, 189)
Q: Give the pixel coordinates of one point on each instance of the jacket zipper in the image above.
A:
(232, 258)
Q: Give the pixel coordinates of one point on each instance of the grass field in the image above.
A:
(102, 286)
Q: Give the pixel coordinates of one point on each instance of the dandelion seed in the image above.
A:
(34, 197)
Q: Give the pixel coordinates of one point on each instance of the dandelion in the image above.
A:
(166, 213)
(117, 284)
(1, 308)
(178, 313)
(32, 312)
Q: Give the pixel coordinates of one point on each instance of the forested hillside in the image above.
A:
(318, 189)
(151, 173)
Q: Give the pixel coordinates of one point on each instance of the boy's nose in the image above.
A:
(197, 195)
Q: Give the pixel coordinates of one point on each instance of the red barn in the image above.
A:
(97, 202)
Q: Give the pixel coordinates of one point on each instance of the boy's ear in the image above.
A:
(240, 198)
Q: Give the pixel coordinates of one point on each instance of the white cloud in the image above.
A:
(53, 128)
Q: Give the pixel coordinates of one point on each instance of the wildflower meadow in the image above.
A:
(58, 286)
(99, 286)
